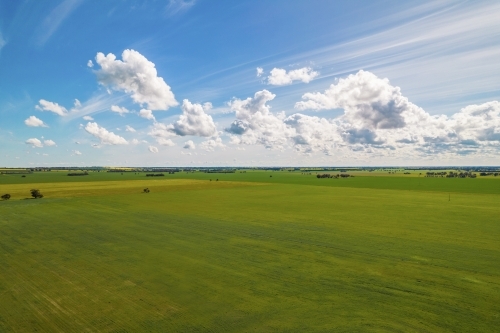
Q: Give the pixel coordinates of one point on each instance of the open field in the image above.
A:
(250, 252)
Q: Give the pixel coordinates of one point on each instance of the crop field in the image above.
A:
(255, 251)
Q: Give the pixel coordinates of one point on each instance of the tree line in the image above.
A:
(327, 175)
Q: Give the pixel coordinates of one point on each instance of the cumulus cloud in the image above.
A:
(104, 135)
(159, 130)
(49, 143)
(33, 121)
(153, 149)
(88, 118)
(477, 123)
(76, 152)
(309, 134)
(189, 145)
(211, 144)
(256, 124)
(44, 105)
(260, 71)
(129, 129)
(378, 118)
(376, 114)
(165, 142)
(34, 142)
(120, 110)
(367, 101)
(194, 121)
(90, 64)
(280, 77)
(136, 76)
(148, 114)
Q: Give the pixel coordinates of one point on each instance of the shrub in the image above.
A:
(6, 196)
(146, 190)
(36, 194)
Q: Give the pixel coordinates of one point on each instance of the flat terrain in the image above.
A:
(249, 253)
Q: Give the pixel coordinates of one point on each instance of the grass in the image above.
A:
(249, 253)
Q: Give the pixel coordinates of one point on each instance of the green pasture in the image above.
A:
(249, 253)
(374, 180)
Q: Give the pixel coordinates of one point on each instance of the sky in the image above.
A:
(249, 83)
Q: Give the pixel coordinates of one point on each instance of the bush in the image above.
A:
(6, 196)
(36, 194)
(146, 190)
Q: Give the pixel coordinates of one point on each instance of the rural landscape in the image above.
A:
(261, 250)
(249, 166)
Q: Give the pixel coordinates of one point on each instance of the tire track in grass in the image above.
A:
(64, 314)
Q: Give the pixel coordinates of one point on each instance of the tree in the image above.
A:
(36, 194)
(146, 190)
(6, 196)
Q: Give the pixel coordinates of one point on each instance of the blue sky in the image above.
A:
(249, 83)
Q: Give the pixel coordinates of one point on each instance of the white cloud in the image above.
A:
(138, 77)
(159, 130)
(96, 104)
(194, 120)
(148, 114)
(77, 152)
(417, 48)
(178, 6)
(33, 121)
(120, 110)
(366, 99)
(255, 124)
(52, 21)
(165, 142)
(189, 145)
(77, 104)
(104, 135)
(88, 118)
(153, 149)
(260, 71)
(49, 143)
(376, 116)
(211, 144)
(378, 119)
(34, 142)
(52, 107)
(129, 129)
(312, 133)
(478, 123)
(280, 77)
(90, 64)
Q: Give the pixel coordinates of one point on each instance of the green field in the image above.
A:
(249, 253)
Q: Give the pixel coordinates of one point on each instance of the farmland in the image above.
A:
(256, 251)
